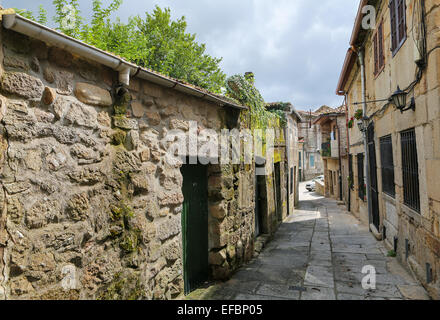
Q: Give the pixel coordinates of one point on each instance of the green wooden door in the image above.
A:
(278, 202)
(195, 226)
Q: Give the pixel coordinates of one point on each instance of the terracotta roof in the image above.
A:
(207, 95)
(357, 36)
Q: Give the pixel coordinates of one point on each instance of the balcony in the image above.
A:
(330, 149)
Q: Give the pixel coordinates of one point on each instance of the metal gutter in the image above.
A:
(126, 69)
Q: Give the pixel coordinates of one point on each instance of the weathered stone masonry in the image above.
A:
(84, 181)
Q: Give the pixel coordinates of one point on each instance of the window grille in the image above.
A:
(410, 170)
(387, 161)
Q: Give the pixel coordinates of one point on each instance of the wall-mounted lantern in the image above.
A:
(363, 124)
(399, 97)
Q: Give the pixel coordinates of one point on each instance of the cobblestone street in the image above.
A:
(319, 254)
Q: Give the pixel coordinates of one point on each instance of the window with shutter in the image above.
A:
(393, 25)
(376, 60)
(379, 57)
(398, 24)
(380, 45)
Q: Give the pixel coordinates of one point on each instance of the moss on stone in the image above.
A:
(123, 288)
(119, 137)
(130, 241)
(122, 104)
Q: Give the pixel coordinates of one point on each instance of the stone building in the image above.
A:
(91, 200)
(311, 164)
(400, 154)
(277, 192)
(333, 131)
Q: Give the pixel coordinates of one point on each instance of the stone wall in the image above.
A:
(85, 190)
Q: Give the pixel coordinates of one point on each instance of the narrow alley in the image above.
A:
(319, 254)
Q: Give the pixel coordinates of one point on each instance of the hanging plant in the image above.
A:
(351, 123)
(359, 114)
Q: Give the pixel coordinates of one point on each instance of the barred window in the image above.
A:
(387, 160)
(361, 180)
(410, 170)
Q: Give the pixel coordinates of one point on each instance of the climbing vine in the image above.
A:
(243, 90)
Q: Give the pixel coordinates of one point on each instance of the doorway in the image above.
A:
(277, 182)
(195, 226)
(374, 193)
(259, 201)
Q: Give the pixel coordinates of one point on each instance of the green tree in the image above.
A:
(155, 41)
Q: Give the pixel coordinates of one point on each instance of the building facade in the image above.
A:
(394, 159)
(309, 135)
(92, 206)
(334, 153)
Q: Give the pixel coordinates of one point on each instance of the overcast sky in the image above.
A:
(296, 48)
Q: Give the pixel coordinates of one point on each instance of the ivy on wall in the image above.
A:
(242, 89)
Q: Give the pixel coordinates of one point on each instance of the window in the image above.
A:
(312, 161)
(300, 160)
(361, 183)
(410, 170)
(379, 57)
(398, 24)
(386, 156)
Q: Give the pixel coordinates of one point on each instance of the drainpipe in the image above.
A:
(366, 166)
(340, 161)
(348, 150)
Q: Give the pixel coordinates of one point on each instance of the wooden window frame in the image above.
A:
(398, 24)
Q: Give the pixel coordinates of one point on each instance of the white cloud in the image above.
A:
(295, 47)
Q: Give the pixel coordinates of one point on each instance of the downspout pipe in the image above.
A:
(340, 161)
(348, 150)
(366, 161)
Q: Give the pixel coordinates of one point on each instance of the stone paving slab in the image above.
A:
(319, 254)
(318, 293)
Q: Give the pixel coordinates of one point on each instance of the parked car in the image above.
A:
(311, 186)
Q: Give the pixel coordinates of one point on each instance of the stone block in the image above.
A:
(218, 210)
(217, 258)
(60, 57)
(138, 109)
(93, 95)
(49, 96)
(22, 84)
(125, 123)
(16, 62)
(170, 198)
(152, 90)
(82, 115)
(153, 118)
(169, 228)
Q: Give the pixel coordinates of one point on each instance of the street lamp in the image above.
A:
(399, 100)
(363, 124)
